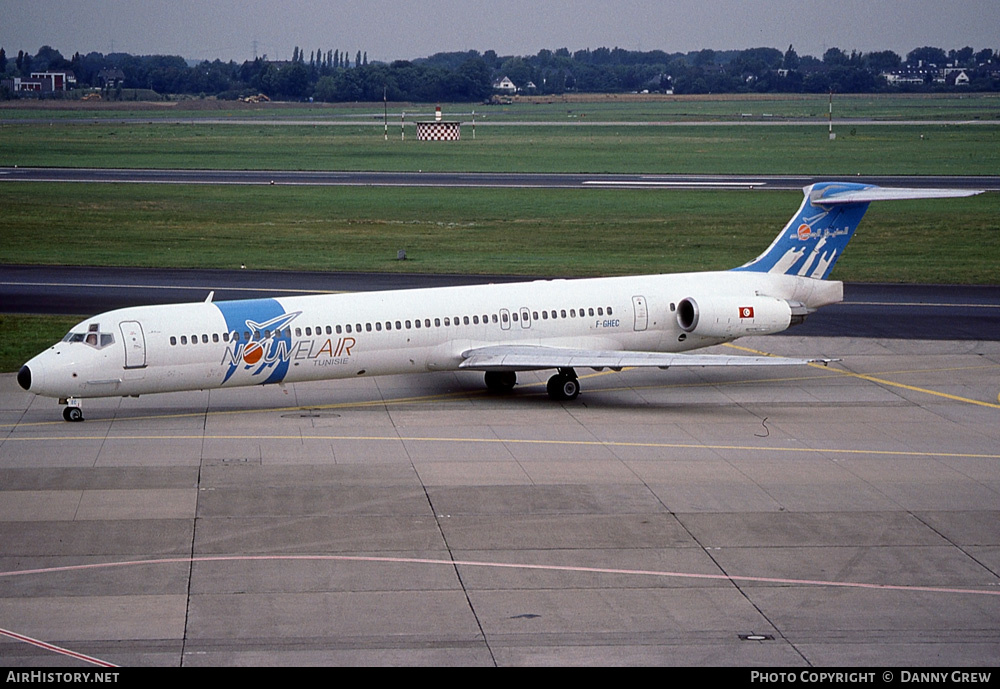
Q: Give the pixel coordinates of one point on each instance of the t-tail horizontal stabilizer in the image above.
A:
(816, 236)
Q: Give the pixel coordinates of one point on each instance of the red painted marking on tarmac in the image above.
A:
(452, 563)
(55, 649)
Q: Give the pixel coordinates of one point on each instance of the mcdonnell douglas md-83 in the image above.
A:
(597, 323)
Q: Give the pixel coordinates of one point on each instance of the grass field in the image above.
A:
(868, 150)
(594, 107)
(549, 232)
(25, 335)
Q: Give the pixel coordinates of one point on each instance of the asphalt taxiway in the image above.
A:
(846, 515)
(476, 179)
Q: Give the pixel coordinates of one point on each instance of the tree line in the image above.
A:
(335, 75)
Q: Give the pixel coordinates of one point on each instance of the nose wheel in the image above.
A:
(73, 414)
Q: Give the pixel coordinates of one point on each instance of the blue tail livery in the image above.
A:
(817, 235)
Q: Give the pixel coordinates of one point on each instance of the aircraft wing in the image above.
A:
(536, 357)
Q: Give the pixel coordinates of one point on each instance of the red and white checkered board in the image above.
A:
(439, 131)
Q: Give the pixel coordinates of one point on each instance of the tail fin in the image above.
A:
(817, 235)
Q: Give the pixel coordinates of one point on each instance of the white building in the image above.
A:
(505, 84)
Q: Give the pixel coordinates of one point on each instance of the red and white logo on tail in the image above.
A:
(746, 312)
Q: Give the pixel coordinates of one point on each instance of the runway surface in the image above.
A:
(471, 179)
(940, 312)
(847, 515)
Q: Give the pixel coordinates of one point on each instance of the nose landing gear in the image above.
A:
(73, 411)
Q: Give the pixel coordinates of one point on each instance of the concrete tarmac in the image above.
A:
(839, 516)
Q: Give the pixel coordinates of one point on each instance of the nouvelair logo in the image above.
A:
(263, 353)
(805, 230)
(746, 312)
(261, 349)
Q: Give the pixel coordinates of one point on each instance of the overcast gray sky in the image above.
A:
(394, 29)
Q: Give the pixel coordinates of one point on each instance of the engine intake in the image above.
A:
(733, 316)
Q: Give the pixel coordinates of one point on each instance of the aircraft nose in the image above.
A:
(24, 377)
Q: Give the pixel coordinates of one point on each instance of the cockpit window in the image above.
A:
(97, 340)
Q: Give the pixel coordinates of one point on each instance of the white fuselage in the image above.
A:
(291, 339)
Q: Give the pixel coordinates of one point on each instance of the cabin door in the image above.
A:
(135, 344)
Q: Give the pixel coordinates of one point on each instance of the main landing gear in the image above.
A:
(500, 382)
(562, 387)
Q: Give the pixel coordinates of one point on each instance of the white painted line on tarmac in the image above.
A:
(650, 183)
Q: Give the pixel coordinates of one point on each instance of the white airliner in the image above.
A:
(597, 323)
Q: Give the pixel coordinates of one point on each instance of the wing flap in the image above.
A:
(536, 357)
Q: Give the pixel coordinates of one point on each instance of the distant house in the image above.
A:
(909, 76)
(41, 82)
(506, 85)
(962, 79)
(19, 85)
(55, 81)
(110, 77)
